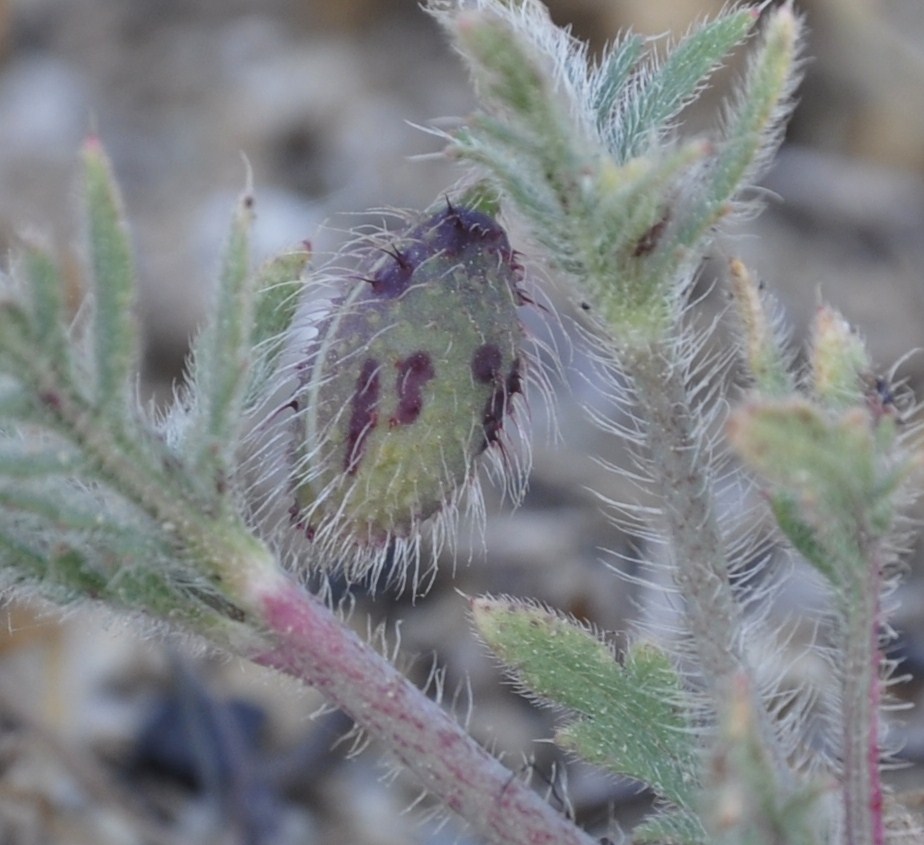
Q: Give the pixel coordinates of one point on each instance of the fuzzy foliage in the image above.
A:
(409, 372)
(154, 514)
(629, 716)
(585, 152)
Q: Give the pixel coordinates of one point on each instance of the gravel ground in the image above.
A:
(321, 98)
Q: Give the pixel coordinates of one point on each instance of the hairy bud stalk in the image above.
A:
(409, 379)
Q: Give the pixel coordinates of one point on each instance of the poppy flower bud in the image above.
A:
(409, 378)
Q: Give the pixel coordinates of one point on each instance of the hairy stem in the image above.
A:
(311, 644)
(699, 563)
(862, 784)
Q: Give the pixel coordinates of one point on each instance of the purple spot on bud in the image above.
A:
(486, 363)
(393, 279)
(514, 379)
(296, 518)
(456, 232)
(363, 414)
(413, 373)
(458, 228)
(498, 405)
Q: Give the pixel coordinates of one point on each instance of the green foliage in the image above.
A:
(116, 334)
(595, 177)
(586, 158)
(661, 90)
(92, 501)
(222, 352)
(279, 285)
(629, 717)
(101, 501)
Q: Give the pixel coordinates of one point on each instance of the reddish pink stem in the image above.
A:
(874, 751)
(312, 645)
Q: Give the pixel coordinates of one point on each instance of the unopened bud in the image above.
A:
(409, 379)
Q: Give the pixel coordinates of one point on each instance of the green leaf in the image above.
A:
(510, 74)
(803, 537)
(762, 345)
(518, 92)
(671, 827)
(661, 95)
(113, 279)
(610, 80)
(628, 717)
(59, 507)
(47, 296)
(753, 129)
(20, 461)
(222, 355)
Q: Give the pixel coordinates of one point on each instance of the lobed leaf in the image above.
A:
(628, 716)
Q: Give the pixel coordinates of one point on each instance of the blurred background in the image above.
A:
(107, 737)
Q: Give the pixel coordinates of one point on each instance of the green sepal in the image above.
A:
(833, 481)
(826, 464)
(839, 360)
(763, 347)
(278, 289)
(803, 537)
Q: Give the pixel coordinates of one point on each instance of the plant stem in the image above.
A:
(675, 448)
(862, 786)
(311, 644)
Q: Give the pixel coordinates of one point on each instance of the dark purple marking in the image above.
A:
(298, 521)
(363, 414)
(514, 378)
(393, 279)
(458, 228)
(647, 242)
(413, 373)
(497, 405)
(486, 363)
(51, 398)
(455, 232)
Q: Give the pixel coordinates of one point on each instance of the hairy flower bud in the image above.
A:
(409, 378)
